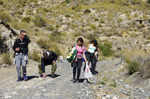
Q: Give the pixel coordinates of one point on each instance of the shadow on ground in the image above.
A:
(31, 77)
(56, 75)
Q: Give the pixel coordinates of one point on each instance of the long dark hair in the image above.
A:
(94, 42)
(80, 39)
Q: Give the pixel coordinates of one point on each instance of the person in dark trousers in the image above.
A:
(77, 63)
(91, 54)
(48, 58)
(21, 54)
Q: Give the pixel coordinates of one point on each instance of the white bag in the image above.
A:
(88, 73)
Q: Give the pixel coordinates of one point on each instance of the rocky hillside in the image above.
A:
(121, 27)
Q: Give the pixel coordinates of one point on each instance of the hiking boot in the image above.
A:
(19, 79)
(74, 80)
(25, 78)
(95, 74)
(53, 76)
(41, 75)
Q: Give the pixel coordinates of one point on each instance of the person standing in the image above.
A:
(21, 54)
(91, 55)
(77, 63)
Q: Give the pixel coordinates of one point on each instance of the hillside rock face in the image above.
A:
(7, 39)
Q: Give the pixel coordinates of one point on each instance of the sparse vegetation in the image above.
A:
(36, 57)
(101, 83)
(6, 59)
(4, 16)
(133, 67)
(39, 21)
(91, 37)
(43, 44)
(26, 19)
(87, 11)
(106, 48)
(114, 84)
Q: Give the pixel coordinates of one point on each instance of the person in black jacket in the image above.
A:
(21, 54)
(48, 58)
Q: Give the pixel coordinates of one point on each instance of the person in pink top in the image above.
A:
(78, 61)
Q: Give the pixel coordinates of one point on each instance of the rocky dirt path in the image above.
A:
(43, 88)
(113, 82)
(110, 83)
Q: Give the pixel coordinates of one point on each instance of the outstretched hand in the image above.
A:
(44, 75)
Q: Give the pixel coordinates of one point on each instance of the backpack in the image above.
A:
(72, 55)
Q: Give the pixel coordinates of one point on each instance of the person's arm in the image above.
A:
(15, 48)
(87, 47)
(84, 56)
(27, 39)
(72, 45)
(96, 52)
(43, 67)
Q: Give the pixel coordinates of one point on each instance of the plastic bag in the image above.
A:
(88, 73)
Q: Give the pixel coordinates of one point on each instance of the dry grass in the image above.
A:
(6, 59)
(138, 57)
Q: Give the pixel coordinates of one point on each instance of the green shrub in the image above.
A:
(6, 59)
(0, 38)
(39, 21)
(23, 3)
(43, 44)
(5, 17)
(133, 67)
(1, 2)
(67, 1)
(1, 42)
(96, 19)
(99, 25)
(35, 1)
(87, 11)
(55, 36)
(148, 1)
(114, 84)
(35, 56)
(101, 83)
(102, 21)
(50, 28)
(58, 52)
(49, 45)
(91, 37)
(67, 16)
(36, 4)
(145, 67)
(149, 20)
(26, 19)
(46, 10)
(106, 48)
(93, 26)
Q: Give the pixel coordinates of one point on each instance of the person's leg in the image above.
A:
(43, 64)
(18, 66)
(40, 68)
(24, 63)
(79, 68)
(54, 67)
(93, 63)
(74, 70)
